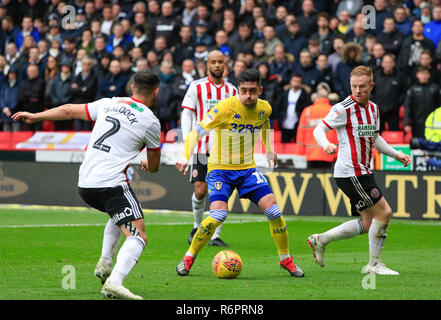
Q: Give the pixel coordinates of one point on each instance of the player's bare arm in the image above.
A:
(65, 112)
(153, 161)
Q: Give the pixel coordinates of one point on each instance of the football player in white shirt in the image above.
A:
(357, 122)
(202, 95)
(123, 127)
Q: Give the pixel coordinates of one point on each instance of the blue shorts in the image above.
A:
(250, 183)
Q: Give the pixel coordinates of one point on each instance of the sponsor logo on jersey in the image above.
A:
(135, 106)
(360, 204)
(211, 103)
(366, 130)
(119, 216)
(237, 116)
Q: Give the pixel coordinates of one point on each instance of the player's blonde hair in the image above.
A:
(362, 71)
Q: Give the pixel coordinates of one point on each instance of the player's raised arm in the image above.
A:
(383, 147)
(65, 112)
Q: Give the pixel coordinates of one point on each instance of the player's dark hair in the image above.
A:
(250, 75)
(145, 82)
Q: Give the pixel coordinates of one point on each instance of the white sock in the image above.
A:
(346, 230)
(198, 210)
(284, 256)
(111, 240)
(217, 232)
(127, 258)
(377, 238)
(188, 253)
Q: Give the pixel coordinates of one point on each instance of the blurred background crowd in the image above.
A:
(49, 57)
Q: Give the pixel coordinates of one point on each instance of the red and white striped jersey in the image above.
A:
(356, 127)
(201, 97)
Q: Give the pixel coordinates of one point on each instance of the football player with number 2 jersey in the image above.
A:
(123, 127)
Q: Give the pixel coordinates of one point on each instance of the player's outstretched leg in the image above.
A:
(345, 230)
(200, 239)
(279, 233)
(111, 240)
(126, 260)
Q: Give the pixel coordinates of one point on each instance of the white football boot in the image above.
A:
(317, 249)
(380, 269)
(114, 291)
(103, 270)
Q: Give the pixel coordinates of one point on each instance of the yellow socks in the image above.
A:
(203, 234)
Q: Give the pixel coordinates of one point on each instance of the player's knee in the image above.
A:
(200, 191)
(200, 194)
(273, 212)
(219, 215)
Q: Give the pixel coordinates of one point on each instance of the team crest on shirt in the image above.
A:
(375, 193)
(261, 115)
(218, 185)
(194, 173)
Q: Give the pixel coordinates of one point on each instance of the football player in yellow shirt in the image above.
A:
(237, 121)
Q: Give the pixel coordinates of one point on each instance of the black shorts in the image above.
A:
(198, 167)
(362, 190)
(120, 202)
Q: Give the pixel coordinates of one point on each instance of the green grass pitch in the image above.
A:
(37, 243)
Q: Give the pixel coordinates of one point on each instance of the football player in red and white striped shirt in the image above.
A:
(357, 122)
(201, 97)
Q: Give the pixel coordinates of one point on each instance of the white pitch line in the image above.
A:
(62, 225)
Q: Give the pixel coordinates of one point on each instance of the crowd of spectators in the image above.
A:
(49, 57)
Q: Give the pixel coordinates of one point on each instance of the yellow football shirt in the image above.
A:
(236, 130)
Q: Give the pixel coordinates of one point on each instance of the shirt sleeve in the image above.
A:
(191, 98)
(336, 117)
(92, 108)
(215, 118)
(153, 136)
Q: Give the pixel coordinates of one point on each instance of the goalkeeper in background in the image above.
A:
(231, 165)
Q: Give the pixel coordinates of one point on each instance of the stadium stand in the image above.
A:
(122, 37)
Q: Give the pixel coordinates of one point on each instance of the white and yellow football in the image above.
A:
(227, 264)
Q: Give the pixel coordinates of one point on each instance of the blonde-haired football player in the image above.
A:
(357, 121)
